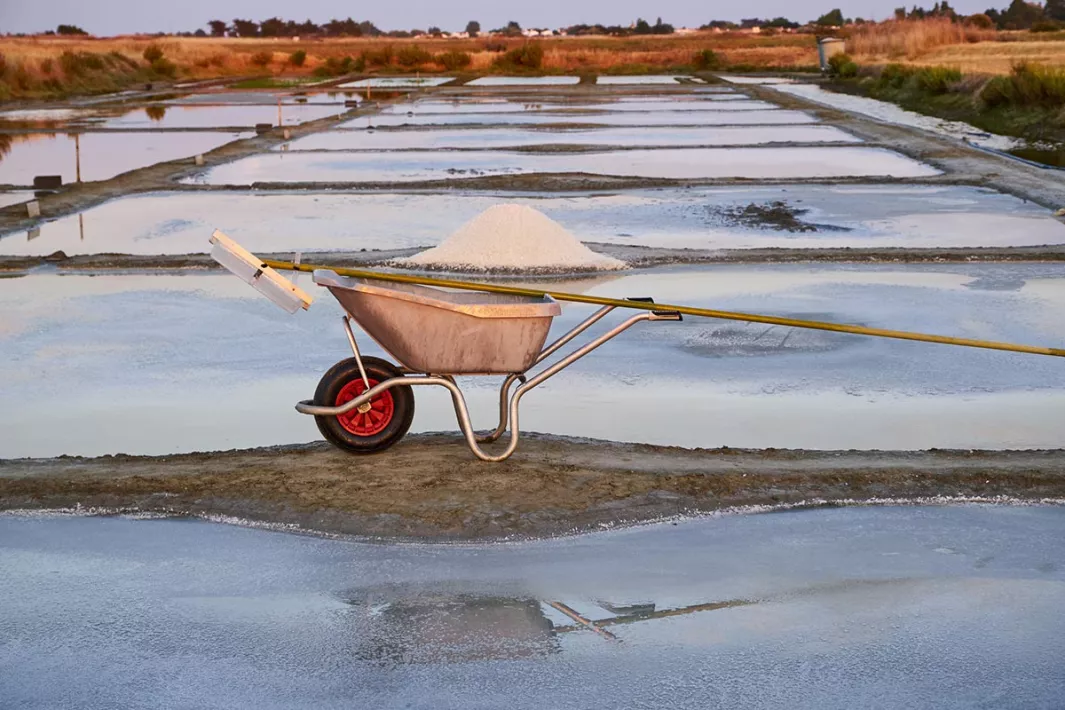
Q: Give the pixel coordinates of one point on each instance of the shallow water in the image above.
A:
(953, 607)
(890, 113)
(524, 105)
(645, 79)
(706, 163)
(516, 137)
(103, 155)
(287, 96)
(220, 116)
(747, 116)
(397, 82)
(760, 80)
(15, 197)
(687, 218)
(524, 81)
(158, 364)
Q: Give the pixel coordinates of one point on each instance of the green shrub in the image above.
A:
(841, 65)
(413, 56)
(379, 58)
(937, 80)
(980, 21)
(527, 56)
(78, 63)
(706, 59)
(164, 67)
(261, 59)
(297, 58)
(336, 67)
(453, 60)
(3, 64)
(895, 75)
(1028, 85)
(495, 46)
(152, 52)
(1048, 26)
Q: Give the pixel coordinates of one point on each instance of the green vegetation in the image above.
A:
(706, 60)
(527, 56)
(413, 56)
(261, 59)
(842, 66)
(270, 82)
(339, 67)
(380, 57)
(297, 58)
(453, 60)
(152, 52)
(1027, 103)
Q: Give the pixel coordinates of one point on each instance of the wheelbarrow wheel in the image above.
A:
(378, 426)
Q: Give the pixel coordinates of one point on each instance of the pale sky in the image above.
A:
(106, 17)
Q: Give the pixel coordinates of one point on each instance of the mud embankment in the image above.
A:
(430, 487)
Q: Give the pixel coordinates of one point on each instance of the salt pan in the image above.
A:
(512, 237)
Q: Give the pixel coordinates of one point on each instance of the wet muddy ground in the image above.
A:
(903, 195)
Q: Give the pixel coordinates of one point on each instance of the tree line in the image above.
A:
(1018, 15)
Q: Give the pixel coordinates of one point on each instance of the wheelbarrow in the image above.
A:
(366, 404)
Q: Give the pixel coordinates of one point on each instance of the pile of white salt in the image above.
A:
(512, 237)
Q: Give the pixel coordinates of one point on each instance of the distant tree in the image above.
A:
(900, 13)
(513, 29)
(305, 28)
(218, 28)
(719, 25)
(782, 22)
(274, 27)
(831, 19)
(1020, 15)
(369, 29)
(245, 28)
(980, 21)
(662, 28)
(1055, 10)
(199, 33)
(473, 28)
(435, 31)
(70, 30)
(642, 27)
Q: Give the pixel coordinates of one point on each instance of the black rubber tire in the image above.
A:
(330, 387)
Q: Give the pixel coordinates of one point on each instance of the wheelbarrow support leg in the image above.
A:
(504, 391)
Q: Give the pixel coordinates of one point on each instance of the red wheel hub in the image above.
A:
(374, 419)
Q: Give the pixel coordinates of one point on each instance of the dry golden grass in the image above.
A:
(908, 39)
(995, 57)
(211, 57)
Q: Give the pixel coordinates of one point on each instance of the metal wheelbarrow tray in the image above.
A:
(429, 330)
(366, 404)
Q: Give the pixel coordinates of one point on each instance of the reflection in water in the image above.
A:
(8, 141)
(442, 628)
(405, 626)
(155, 112)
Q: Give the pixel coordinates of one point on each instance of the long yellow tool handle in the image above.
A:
(685, 310)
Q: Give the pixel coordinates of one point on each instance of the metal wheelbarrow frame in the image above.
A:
(437, 335)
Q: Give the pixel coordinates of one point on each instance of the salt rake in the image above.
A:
(366, 404)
